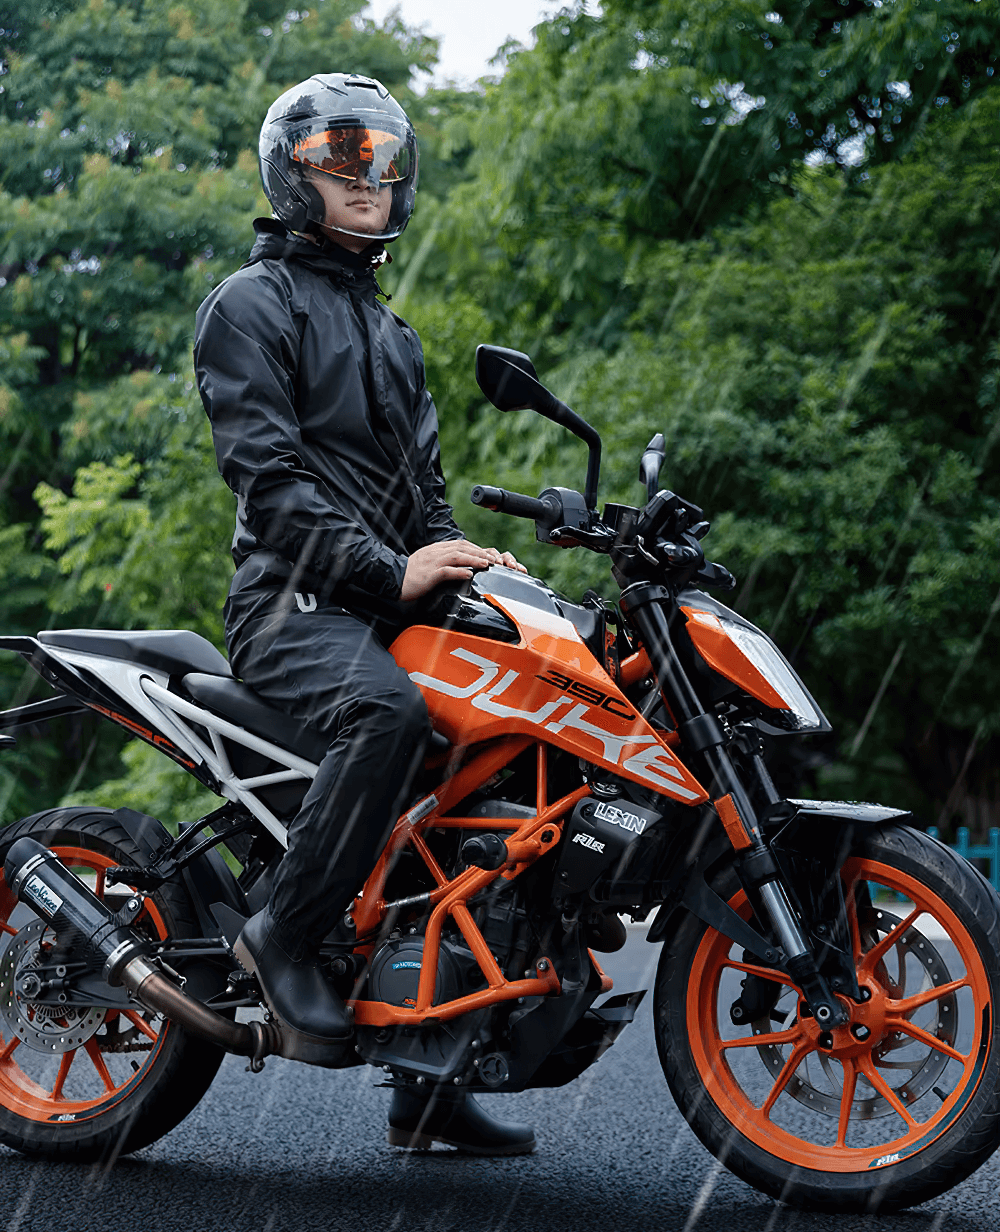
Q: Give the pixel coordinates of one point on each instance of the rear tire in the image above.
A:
(137, 1075)
(885, 1113)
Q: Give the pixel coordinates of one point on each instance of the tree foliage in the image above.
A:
(128, 183)
(769, 230)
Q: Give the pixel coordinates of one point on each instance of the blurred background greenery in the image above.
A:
(770, 230)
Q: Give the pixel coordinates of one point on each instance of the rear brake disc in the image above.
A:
(52, 1029)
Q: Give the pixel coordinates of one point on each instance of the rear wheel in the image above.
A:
(88, 1082)
(887, 1111)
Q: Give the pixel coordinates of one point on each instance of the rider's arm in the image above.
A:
(246, 377)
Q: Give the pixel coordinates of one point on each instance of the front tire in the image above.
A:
(136, 1075)
(882, 1114)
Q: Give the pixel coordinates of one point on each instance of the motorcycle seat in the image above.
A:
(238, 703)
(175, 651)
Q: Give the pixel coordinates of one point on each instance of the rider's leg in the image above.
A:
(327, 669)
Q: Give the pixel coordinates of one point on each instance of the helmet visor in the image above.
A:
(373, 154)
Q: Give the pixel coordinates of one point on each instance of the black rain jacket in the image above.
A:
(322, 422)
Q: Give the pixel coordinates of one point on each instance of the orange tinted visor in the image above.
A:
(348, 153)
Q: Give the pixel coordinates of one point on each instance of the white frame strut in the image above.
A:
(145, 691)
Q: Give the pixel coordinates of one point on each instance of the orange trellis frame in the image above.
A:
(530, 839)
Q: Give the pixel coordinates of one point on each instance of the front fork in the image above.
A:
(643, 603)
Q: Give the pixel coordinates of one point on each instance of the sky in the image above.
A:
(470, 30)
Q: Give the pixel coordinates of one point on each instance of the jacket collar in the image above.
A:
(274, 241)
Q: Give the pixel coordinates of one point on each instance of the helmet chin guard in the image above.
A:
(344, 126)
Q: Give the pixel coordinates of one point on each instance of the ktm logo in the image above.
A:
(635, 752)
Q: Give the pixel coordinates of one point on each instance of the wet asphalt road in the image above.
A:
(297, 1148)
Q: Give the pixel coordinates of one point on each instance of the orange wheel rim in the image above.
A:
(877, 1090)
(79, 1083)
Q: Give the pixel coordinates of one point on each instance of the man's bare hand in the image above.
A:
(507, 559)
(451, 561)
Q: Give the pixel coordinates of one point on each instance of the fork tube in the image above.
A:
(644, 603)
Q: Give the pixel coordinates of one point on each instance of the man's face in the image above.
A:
(354, 206)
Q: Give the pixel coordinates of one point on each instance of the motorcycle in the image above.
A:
(824, 1000)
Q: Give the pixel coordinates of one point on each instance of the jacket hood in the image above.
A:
(274, 241)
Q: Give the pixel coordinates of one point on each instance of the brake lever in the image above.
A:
(598, 539)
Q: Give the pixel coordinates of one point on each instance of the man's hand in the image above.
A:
(451, 561)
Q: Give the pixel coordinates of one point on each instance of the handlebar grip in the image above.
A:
(502, 501)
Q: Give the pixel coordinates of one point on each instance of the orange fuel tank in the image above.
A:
(547, 685)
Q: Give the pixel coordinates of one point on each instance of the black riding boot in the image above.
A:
(310, 1013)
(455, 1119)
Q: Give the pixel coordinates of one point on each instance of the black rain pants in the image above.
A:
(328, 669)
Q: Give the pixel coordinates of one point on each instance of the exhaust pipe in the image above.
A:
(36, 877)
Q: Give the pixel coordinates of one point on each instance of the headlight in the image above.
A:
(751, 660)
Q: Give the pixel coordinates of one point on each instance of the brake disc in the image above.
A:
(51, 1029)
(924, 1071)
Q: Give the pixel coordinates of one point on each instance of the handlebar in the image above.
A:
(516, 503)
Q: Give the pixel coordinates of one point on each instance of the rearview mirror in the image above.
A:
(509, 380)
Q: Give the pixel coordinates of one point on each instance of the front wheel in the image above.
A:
(890, 1110)
(82, 1082)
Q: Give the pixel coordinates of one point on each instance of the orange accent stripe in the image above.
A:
(607, 983)
(733, 823)
(331, 136)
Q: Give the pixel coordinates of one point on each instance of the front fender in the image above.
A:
(778, 819)
(844, 812)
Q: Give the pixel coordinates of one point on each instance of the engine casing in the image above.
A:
(396, 967)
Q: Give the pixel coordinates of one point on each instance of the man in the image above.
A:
(324, 429)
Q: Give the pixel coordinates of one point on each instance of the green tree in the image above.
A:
(682, 215)
(820, 343)
(663, 120)
(128, 181)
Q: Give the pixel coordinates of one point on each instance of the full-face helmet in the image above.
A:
(345, 126)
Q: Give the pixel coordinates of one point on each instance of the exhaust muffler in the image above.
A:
(36, 877)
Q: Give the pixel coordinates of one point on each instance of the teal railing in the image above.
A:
(990, 852)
